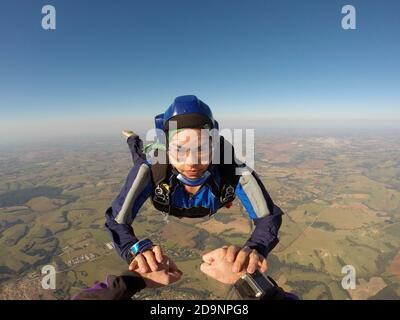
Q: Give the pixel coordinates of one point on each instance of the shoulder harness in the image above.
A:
(164, 180)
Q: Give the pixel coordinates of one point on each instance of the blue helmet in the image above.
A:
(188, 112)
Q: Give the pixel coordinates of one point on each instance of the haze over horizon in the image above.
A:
(275, 63)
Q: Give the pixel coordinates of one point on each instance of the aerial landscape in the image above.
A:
(312, 88)
(340, 194)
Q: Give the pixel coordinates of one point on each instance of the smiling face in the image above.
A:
(189, 151)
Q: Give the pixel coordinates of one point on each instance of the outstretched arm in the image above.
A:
(266, 216)
(120, 215)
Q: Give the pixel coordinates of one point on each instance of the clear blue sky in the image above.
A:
(253, 58)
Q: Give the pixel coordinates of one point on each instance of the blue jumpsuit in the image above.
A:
(138, 187)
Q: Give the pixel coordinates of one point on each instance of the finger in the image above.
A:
(241, 260)
(158, 253)
(133, 265)
(142, 263)
(231, 253)
(253, 262)
(151, 260)
(263, 265)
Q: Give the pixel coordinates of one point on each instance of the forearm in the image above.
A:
(265, 235)
(122, 235)
(125, 206)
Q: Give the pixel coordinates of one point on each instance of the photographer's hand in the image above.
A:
(221, 264)
(217, 266)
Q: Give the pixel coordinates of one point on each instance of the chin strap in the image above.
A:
(193, 182)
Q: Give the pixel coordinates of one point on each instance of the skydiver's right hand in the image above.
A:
(148, 261)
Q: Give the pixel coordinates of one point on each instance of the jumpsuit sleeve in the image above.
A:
(121, 287)
(266, 216)
(124, 208)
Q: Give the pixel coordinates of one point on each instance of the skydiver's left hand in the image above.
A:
(245, 259)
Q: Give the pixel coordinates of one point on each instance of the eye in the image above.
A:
(179, 150)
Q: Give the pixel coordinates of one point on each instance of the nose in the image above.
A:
(192, 158)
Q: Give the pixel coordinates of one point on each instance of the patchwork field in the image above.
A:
(340, 195)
